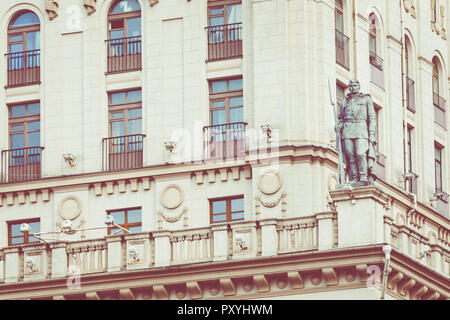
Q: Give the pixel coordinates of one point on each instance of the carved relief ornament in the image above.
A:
(51, 6)
(90, 5)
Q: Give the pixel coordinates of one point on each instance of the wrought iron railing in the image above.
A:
(224, 41)
(410, 94)
(22, 164)
(376, 69)
(123, 152)
(342, 49)
(124, 54)
(439, 110)
(225, 141)
(23, 68)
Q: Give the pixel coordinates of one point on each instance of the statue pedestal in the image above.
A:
(360, 213)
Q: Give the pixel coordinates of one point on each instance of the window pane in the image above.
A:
(135, 126)
(219, 218)
(34, 108)
(134, 27)
(117, 128)
(33, 40)
(17, 141)
(18, 47)
(117, 115)
(17, 240)
(15, 38)
(219, 117)
(236, 102)
(33, 239)
(119, 217)
(116, 24)
(236, 115)
(25, 19)
(117, 97)
(437, 154)
(216, 11)
(134, 113)
(237, 216)
(236, 84)
(34, 139)
(237, 204)
(35, 226)
(117, 34)
(134, 215)
(219, 86)
(126, 6)
(15, 230)
(216, 21)
(234, 13)
(134, 96)
(135, 229)
(219, 206)
(35, 125)
(218, 104)
(17, 128)
(18, 111)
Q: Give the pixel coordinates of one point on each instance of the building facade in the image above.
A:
(185, 149)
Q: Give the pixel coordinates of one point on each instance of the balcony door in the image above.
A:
(124, 33)
(24, 49)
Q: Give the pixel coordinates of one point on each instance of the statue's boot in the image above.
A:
(353, 173)
(362, 163)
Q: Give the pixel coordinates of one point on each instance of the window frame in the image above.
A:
(224, 4)
(123, 107)
(228, 212)
(124, 16)
(440, 148)
(26, 235)
(23, 120)
(125, 224)
(21, 30)
(225, 96)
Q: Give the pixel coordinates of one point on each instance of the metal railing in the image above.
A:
(225, 141)
(23, 68)
(342, 49)
(410, 94)
(123, 152)
(224, 41)
(376, 70)
(124, 54)
(439, 110)
(21, 164)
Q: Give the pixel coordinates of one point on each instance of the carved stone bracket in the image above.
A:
(90, 5)
(51, 6)
(153, 3)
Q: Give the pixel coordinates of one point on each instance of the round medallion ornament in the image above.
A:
(270, 182)
(172, 196)
(70, 208)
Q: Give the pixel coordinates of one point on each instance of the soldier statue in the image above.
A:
(357, 127)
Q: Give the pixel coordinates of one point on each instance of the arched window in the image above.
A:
(24, 49)
(377, 75)
(438, 100)
(124, 36)
(409, 73)
(435, 77)
(341, 40)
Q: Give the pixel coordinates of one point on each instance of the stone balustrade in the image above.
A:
(161, 248)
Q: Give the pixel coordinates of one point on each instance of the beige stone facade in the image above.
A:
(300, 238)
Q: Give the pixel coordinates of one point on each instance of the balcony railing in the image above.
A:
(412, 182)
(225, 141)
(21, 164)
(224, 41)
(124, 152)
(24, 68)
(380, 169)
(124, 54)
(410, 95)
(342, 50)
(376, 70)
(439, 110)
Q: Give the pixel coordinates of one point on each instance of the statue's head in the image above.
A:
(354, 86)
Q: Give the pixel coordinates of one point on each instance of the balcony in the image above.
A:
(124, 54)
(342, 50)
(376, 70)
(380, 168)
(410, 95)
(442, 205)
(123, 152)
(224, 142)
(439, 110)
(224, 41)
(23, 68)
(20, 165)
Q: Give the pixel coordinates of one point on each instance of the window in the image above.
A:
(224, 29)
(23, 49)
(340, 95)
(438, 101)
(339, 16)
(124, 148)
(227, 209)
(24, 156)
(438, 167)
(435, 78)
(15, 236)
(341, 40)
(124, 36)
(130, 219)
(409, 160)
(376, 62)
(411, 181)
(410, 83)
